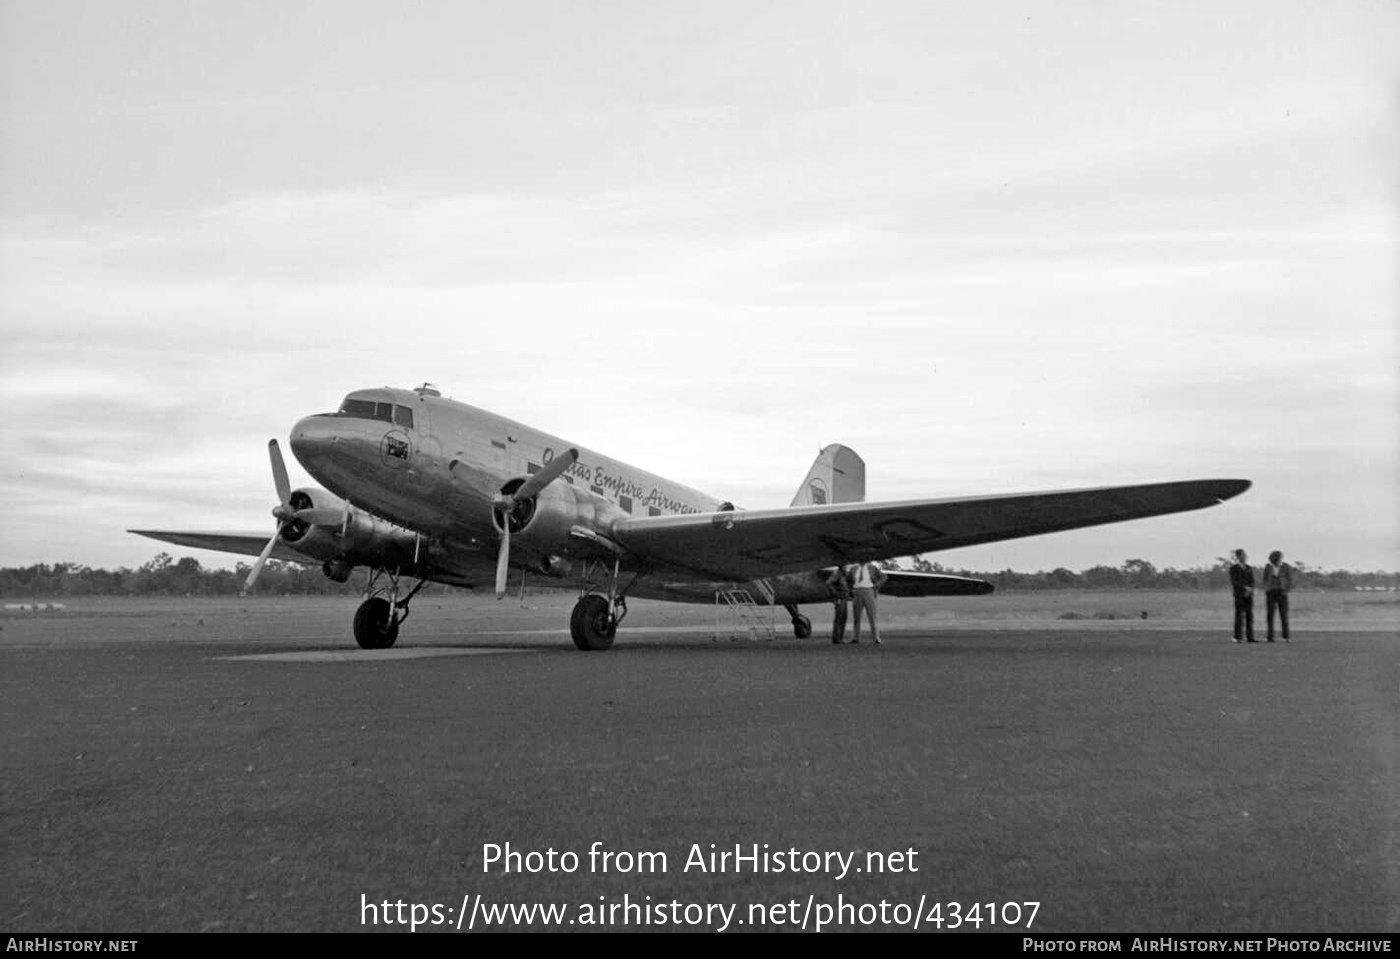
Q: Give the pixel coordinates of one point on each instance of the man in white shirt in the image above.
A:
(866, 580)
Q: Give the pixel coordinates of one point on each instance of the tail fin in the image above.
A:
(837, 476)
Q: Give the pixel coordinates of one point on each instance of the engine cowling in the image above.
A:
(358, 539)
(541, 526)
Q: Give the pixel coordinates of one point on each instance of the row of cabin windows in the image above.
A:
(371, 410)
(624, 501)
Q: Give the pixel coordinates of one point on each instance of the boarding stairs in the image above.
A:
(738, 616)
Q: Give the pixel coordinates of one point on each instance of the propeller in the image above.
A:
(507, 502)
(286, 514)
(283, 510)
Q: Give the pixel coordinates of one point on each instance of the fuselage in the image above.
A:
(433, 465)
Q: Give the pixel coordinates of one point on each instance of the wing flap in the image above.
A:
(752, 544)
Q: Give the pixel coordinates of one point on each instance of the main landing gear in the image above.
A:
(593, 624)
(377, 619)
(801, 625)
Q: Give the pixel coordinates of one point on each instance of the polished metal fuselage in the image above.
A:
(438, 476)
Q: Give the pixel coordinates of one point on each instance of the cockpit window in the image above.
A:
(362, 408)
(403, 416)
(371, 410)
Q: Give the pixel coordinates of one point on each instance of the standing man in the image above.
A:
(1278, 580)
(866, 580)
(1242, 585)
(840, 589)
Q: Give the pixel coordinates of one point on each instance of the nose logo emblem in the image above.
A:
(394, 449)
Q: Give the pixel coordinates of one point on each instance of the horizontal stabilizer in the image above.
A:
(902, 583)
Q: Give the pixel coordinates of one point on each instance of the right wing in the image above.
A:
(249, 544)
(753, 544)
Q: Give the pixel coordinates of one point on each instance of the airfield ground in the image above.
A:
(229, 764)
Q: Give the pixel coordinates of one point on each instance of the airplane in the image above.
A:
(418, 486)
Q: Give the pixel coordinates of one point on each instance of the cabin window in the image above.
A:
(403, 416)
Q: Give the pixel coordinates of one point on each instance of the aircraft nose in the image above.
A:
(312, 438)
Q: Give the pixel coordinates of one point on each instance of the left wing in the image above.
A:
(249, 544)
(743, 545)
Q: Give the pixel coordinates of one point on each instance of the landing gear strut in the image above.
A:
(593, 624)
(801, 625)
(377, 619)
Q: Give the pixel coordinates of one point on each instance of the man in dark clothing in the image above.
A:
(1278, 580)
(1242, 585)
(839, 586)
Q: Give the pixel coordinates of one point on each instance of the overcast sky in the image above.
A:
(993, 247)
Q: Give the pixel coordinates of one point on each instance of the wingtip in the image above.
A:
(1230, 488)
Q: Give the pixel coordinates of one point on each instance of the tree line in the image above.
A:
(1141, 574)
(166, 576)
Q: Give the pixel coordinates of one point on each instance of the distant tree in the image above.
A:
(1103, 577)
(1139, 573)
(186, 577)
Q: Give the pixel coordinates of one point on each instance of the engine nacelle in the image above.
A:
(358, 539)
(541, 526)
(371, 541)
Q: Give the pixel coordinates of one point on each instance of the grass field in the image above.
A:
(1128, 774)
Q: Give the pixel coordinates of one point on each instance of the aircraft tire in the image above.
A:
(374, 624)
(801, 627)
(592, 625)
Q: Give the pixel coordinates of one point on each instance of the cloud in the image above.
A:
(992, 253)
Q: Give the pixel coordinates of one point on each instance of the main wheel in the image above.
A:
(375, 627)
(592, 624)
(801, 627)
